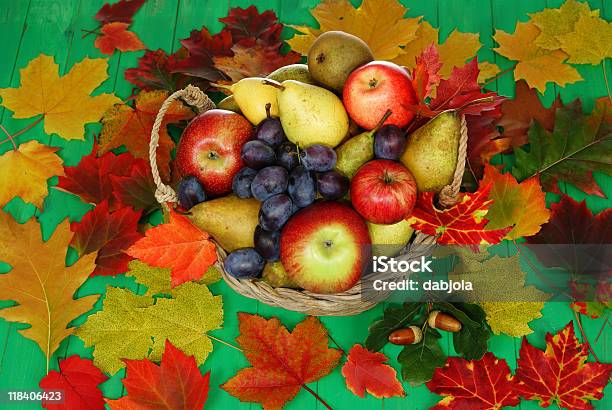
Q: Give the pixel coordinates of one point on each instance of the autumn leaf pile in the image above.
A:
(158, 328)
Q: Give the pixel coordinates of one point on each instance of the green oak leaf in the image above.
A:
(394, 317)
(471, 341)
(419, 361)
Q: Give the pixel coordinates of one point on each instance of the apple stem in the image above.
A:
(309, 390)
(273, 84)
(382, 120)
(221, 86)
(268, 106)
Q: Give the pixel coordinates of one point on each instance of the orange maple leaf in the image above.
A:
(178, 245)
(365, 370)
(115, 36)
(282, 362)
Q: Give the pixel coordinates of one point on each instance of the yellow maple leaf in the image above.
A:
(40, 282)
(454, 52)
(24, 172)
(555, 22)
(486, 71)
(512, 318)
(380, 23)
(590, 42)
(535, 65)
(64, 101)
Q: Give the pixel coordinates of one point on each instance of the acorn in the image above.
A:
(408, 336)
(443, 321)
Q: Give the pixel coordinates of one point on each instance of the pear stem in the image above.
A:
(273, 84)
(268, 106)
(222, 86)
(382, 120)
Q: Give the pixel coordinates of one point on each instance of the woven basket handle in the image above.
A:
(196, 98)
(449, 195)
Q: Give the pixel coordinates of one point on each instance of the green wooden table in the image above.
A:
(53, 27)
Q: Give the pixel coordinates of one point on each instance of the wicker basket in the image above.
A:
(347, 303)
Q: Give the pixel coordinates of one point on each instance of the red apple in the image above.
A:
(210, 149)
(383, 191)
(324, 247)
(376, 87)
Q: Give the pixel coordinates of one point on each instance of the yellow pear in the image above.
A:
(251, 95)
(431, 152)
(388, 240)
(230, 220)
(310, 114)
(228, 103)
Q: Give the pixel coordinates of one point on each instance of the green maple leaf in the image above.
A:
(578, 145)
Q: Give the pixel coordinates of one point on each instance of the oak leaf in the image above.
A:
(556, 22)
(380, 23)
(589, 43)
(522, 206)
(175, 384)
(365, 371)
(124, 125)
(179, 245)
(78, 380)
(477, 384)
(109, 234)
(282, 362)
(121, 11)
(535, 65)
(40, 282)
(64, 101)
(462, 224)
(560, 374)
(24, 172)
(579, 145)
(134, 327)
(115, 36)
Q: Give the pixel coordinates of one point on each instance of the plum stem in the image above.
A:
(382, 120)
(273, 84)
(268, 107)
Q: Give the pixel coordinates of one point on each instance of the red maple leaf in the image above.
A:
(250, 24)
(178, 245)
(282, 362)
(484, 140)
(560, 374)
(477, 384)
(365, 370)
(136, 189)
(154, 71)
(425, 74)
(202, 47)
(115, 36)
(108, 233)
(462, 224)
(122, 11)
(78, 380)
(175, 384)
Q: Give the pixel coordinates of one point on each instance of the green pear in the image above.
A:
(388, 240)
(297, 72)
(431, 152)
(333, 55)
(275, 275)
(230, 220)
(358, 150)
(251, 95)
(310, 114)
(229, 103)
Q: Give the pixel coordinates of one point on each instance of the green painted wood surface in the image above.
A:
(53, 27)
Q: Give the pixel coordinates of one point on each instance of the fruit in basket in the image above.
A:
(389, 143)
(389, 239)
(376, 87)
(333, 55)
(268, 182)
(257, 154)
(190, 192)
(383, 191)
(275, 212)
(275, 275)
(318, 158)
(267, 243)
(244, 263)
(297, 72)
(270, 130)
(431, 151)
(301, 187)
(228, 103)
(210, 149)
(218, 217)
(358, 150)
(332, 185)
(241, 184)
(287, 155)
(310, 114)
(324, 247)
(251, 95)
